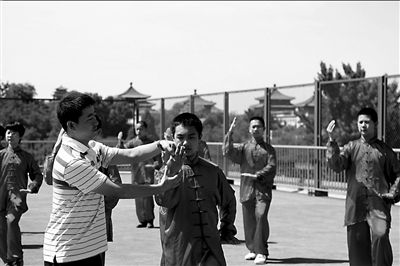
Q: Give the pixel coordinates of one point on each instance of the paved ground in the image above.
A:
(305, 230)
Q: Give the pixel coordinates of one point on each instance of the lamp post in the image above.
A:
(132, 96)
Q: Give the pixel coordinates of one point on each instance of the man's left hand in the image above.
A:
(253, 176)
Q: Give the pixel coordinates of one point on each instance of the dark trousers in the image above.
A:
(97, 260)
(10, 235)
(109, 226)
(255, 223)
(368, 243)
(145, 209)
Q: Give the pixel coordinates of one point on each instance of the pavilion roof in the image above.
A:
(276, 95)
(307, 102)
(132, 94)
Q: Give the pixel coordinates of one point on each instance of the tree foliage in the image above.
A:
(342, 100)
(17, 104)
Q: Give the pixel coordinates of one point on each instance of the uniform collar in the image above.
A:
(16, 149)
(372, 140)
(74, 144)
(253, 140)
(194, 161)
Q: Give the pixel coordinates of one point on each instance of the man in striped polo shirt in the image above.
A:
(76, 233)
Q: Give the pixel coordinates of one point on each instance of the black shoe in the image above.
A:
(150, 225)
(17, 262)
(141, 225)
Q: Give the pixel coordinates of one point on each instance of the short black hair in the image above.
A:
(187, 119)
(259, 118)
(17, 127)
(143, 123)
(71, 106)
(2, 132)
(369, 112)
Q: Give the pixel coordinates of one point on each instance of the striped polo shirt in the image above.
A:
(77, 228)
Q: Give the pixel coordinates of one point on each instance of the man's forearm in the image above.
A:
(395, 188)
(228, 143)
(137, 154)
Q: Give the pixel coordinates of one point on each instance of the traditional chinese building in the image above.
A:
(200, 104)
(281, 108)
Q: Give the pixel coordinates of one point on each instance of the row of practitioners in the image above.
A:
(187, 185)
(372, 171)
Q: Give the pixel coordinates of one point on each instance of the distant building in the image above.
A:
(142, 107)
(306, 107)
(305, 110)
(136, 100)
(200, 104)
(281, 108)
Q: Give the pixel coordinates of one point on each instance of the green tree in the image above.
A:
(17, 104)
(342, 100)
(59, 93)
(24, 92)
(212, 126)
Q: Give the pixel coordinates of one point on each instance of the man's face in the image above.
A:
(256, 129)
(189, 138)
(140, 130)
(87, 126)
(12, 137)
(366, 126)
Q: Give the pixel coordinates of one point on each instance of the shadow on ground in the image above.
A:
(303, 261)
(241, 241)
(32, 246)
(32, 233)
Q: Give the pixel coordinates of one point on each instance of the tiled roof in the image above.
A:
(132, 94)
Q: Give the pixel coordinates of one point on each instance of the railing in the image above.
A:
(298, 166)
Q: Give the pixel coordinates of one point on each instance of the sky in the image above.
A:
(170, 48)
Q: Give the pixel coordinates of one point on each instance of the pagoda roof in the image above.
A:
(132, 94)
(307, 102)
(145, 104)
(276, 95)
(199, 100)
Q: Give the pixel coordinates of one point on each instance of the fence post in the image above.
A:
(317, 141)
(382, 106)
(191, 104)
(267, 114)
(226, 128)
(317, 114)
(162, 117)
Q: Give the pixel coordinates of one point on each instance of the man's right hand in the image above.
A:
(233, 124)
(120, 135)
(176, 160)
(330, 129)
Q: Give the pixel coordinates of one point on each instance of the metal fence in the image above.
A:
(301, 167)
(295, 116)
(297, 166)
(392, 130)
